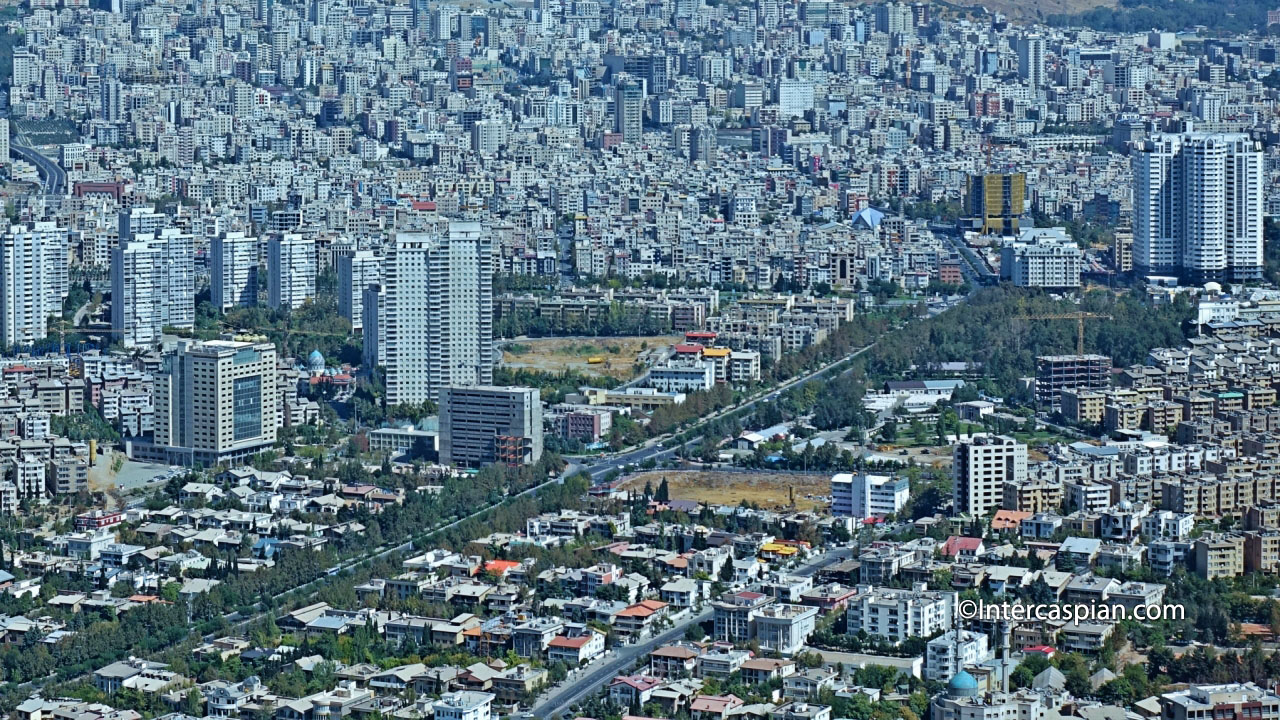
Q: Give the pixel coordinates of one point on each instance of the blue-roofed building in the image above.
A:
(867, 218)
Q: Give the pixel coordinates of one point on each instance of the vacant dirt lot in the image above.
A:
(620, 354)
(768, 490)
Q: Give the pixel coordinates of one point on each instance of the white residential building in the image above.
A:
(865, 495)
(152, 286)
(981, 467)
(463, 705)
(897, 614)
(233, 270)
(33, 281)
(357, 272)
(1198, 206)
(438, 312)
(1042, 257)
(940, 654)
(291, 270)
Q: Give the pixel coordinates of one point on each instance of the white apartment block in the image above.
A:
(357, 272)
(438, 312)
(152, 286)
(1042, 257)
(981, 467)
(33, 281)
(291, 270)
(897, 614)
(943, 655)
(864, 495)
(1198, 206)
(233, 270)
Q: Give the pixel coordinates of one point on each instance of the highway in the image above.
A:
(55, 178)
(656, 448)
(562, 700)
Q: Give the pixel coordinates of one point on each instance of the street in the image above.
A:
(625, 656)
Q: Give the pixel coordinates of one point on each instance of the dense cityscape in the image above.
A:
(695, 359)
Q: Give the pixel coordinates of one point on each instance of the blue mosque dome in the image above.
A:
(962, 683)
(315, 361)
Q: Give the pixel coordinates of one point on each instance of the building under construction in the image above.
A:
(996, 201)
(1055, 373)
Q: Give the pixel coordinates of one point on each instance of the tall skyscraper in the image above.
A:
(356, 273)
(981, 467)
(1198, 206)
(1031, 66)
(216, 403)
(233, 270)
(438, 312)
(152, 286)
(33, 281)
(628, 110)
(291, 270)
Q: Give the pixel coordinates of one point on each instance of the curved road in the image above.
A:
(55, 178)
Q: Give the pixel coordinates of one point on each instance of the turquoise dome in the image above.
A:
(962, 683)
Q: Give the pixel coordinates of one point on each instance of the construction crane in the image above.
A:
(1079, 317)
(63, 326)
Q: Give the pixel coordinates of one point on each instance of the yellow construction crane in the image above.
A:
(63, 326)
(1079, 317)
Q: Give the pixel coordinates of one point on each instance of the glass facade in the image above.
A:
(247, 407)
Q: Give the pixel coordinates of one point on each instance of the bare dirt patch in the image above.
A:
(614, 357)
(767, 490)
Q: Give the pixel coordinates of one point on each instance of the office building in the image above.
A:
(863, 495)
(485, 424)
(1043, 258)
(1198, 206)
(152, 286)
(357, 272)
(981, 467)
(438, 312)
(233, 270)
(628, 110)
(1055, 373)
(795, 97)
(996, 201)
(33, 281)
(215, 403)
(291, 270)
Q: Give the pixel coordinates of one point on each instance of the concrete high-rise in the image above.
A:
(373, 330)
(1198, 206)
(981, 467)
(33, 281)
(291, 270)
(438, 312)
(628, 110)
(482, 425)
(1031, 64)
(152, 286)
(216, 403)
(233, 270)
(356, 273)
